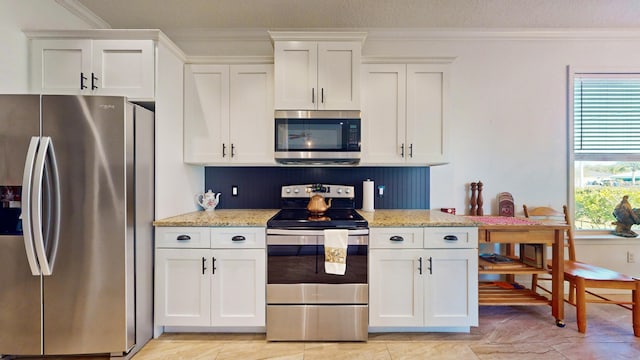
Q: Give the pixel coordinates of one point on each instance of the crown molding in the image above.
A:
(502, 34)
(212, 34)
(86, 15)
(229, 60)
(408, 59)
(319, 35)
(391, 34)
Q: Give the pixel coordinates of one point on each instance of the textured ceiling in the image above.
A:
(183, 15)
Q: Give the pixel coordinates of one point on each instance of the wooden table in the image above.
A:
(512, 231)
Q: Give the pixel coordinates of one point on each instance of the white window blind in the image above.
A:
(606, 113)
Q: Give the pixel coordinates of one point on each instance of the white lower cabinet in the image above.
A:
(423, 278)
(395, 288)
(182, 287)
(221, 283)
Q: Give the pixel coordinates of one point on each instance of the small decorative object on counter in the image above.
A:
(480, 201)
(476, 200)
(208, 200)
(472, 201)
(625, 218)
(451, 211)
(505, 204)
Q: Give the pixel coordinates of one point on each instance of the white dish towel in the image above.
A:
(335, 251)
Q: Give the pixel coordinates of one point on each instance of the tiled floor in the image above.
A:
(522, 332)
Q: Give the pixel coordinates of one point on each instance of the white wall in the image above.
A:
(19, 15)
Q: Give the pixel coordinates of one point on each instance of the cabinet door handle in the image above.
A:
(213, 265)
(183, 237)
(451, 238)
(224, 150)
(238, 238)
(93, 81)
(420, 265)
(430, 265)
(313, 95)
(82, 79)
(396, 238)
(233, 150)
(402, 150)
(322, 95)
(410, 150)
(204, 263)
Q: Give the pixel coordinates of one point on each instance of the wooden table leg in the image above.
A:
(581, 305)
(510, 251)
(636, 308)
(557, 278)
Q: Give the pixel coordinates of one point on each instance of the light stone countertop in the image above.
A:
(259, 217)
(222, 217)
(415, 218)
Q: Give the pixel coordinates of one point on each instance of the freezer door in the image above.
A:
(20, 295)
(85, 298)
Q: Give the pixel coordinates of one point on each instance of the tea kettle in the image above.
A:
(208, 200)
(317, 205)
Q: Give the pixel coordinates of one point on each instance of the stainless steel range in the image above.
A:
(304, 302)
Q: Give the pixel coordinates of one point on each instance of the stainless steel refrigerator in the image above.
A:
(76, 240)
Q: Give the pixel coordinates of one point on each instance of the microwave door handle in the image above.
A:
(36, 206)
(27, 179)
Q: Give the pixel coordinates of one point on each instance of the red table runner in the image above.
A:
(503, 220)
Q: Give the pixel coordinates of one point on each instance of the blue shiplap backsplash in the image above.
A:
(259, 187)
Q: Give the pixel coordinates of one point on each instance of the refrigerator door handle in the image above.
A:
(45, 151)
(26, 205)
(57, 205)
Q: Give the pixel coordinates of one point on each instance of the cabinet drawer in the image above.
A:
(451, 237)
(396, 238)
(183, 237)
(234, 238)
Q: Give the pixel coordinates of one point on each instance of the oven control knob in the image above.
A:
(339, 191)
(287, 190)
(347, 190)
(296, 190)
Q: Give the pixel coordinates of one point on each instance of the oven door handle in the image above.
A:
(312, 232)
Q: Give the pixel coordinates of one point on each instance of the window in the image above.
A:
(606, 145)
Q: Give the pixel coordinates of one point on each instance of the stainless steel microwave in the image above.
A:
(317, 137)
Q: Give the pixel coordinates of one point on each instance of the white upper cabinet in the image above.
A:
(251, 114)
(317, 74)
(93, 67)
(404, 114)
(425, 131)
(296, 69)
(383, 113)
(228, 116)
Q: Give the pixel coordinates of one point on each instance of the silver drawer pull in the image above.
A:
(451, 238)
(396, 238)
(183, 237)
(238, 238)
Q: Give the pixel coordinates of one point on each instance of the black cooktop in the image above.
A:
(331, 219)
